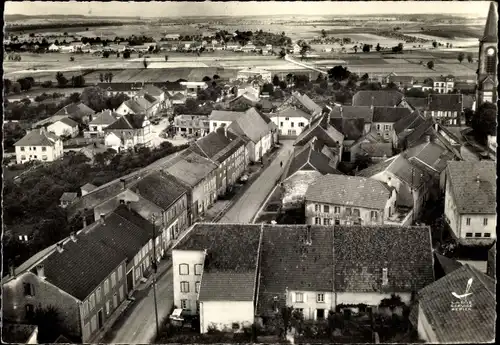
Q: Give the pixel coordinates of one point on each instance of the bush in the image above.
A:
(47, 84)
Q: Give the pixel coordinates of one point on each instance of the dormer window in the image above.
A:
(385, 279)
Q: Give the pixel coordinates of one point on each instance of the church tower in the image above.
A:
(487, 67)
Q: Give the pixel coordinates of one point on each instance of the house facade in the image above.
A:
(446, 109)
(128, 131)
(39, 145)
(444, 84)
(469, 201)
(291, 121)
(100, 121)
(192, 125)
(64, 128)
(251, 73)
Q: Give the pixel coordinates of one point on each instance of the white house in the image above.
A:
(38, 145)
(470, 200)
(192, 87)
(99, 123)
(128, 131)
(444, 84)
(64, 127)
(53, 48)
(291, 120)
(340, 199)
(250, 73)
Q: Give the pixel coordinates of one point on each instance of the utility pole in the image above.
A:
(155, 269)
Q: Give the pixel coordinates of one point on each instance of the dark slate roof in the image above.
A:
(389, 114)
(417, 102)
(476, 325)
(413, 137)
(491, 28)
(361, 253)
(447, 265)
(227, 286)
(14, 333)
(445, 102)
(160, 188)
(309, 159)
(471, 196)
(38, 137)
(410, 121)
(352, 191)
(129, 121)
(230, 247)
(287, 262)
(211, 144)
(433, 156)
(252, 124)
(99, 249)
(352, 129)
(323, 131)
(381, 98)
(353, 112)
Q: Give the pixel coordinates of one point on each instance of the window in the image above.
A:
(22, 148)
(468, 234)
(183, 269)
(485, 221)
(373, 215)
(356, 212)
(35, 156)
(29, 289)
(299, 297)
(467, 221)
(44, 148)
(119, 274)
(108, 307)
(491, 63)
(387, 127)
(337, 221)
(326, 209)
(326, 221)
(215, 124)
(287, 118)
(91, 302)
(320, 314)
(23, 157)
(98, 295)
(113, 279)
(184, 287)
(385, 279)
(316, 208)
(198, 268)
(44, 157)
(121, 292)
(184, 303)
(320, 298)
(336, 209)
(106, 287)
(477, 234)
(378, 127)
(197, 287)
(348, 211)
(317, 221)
(291, 124)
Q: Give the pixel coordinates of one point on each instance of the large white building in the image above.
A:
(40, 145)
(251, 73)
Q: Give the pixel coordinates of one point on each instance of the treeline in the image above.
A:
(23, 27)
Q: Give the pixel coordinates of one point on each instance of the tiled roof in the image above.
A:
(352, 129)
(361, 253)
(266, 104)
(230, 247)
(431, 155)
(290, 111)
(470, 195)
(69, 122)
(129, 121)
(152, 90)
(14, 333)
(160, 188)
(417, 102)
(247, 98)
(476, 325)
(445, 102)
(227, 286)
(190, 168)
(38, 137)
(389, 114)
(105, 117)
(353, 112)
(252, 125)
(75, 110)
(321, 130)
(133, 105)
(352, 191)
(306, 102)
(416, 135)
(68, 196)
(309, 159)
(287, 262)
(377, 149)
(211, 144)
(377, 98)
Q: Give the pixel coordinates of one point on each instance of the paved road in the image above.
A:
(138, 325)
(248, 205)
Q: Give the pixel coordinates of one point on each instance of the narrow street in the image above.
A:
(248, 205)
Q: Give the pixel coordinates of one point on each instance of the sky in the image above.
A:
(176, 9)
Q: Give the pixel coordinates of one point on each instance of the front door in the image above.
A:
(130, 281)
(99, 319)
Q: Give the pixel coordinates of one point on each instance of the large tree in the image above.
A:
(276, 80)
(95, 98)
(484, 122)
(460, 57)
(50, 324)
(339, 73)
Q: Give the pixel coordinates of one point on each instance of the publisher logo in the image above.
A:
(462, 301)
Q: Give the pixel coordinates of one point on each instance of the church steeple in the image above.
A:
(491, 28)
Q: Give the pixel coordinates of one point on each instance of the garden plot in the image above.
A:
(168, 64)
(396, 61)
(373, 39)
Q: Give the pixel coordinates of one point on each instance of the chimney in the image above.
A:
(129, 205)
(101, 219)
(40, 271)
(123, 182)
(59, 247)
